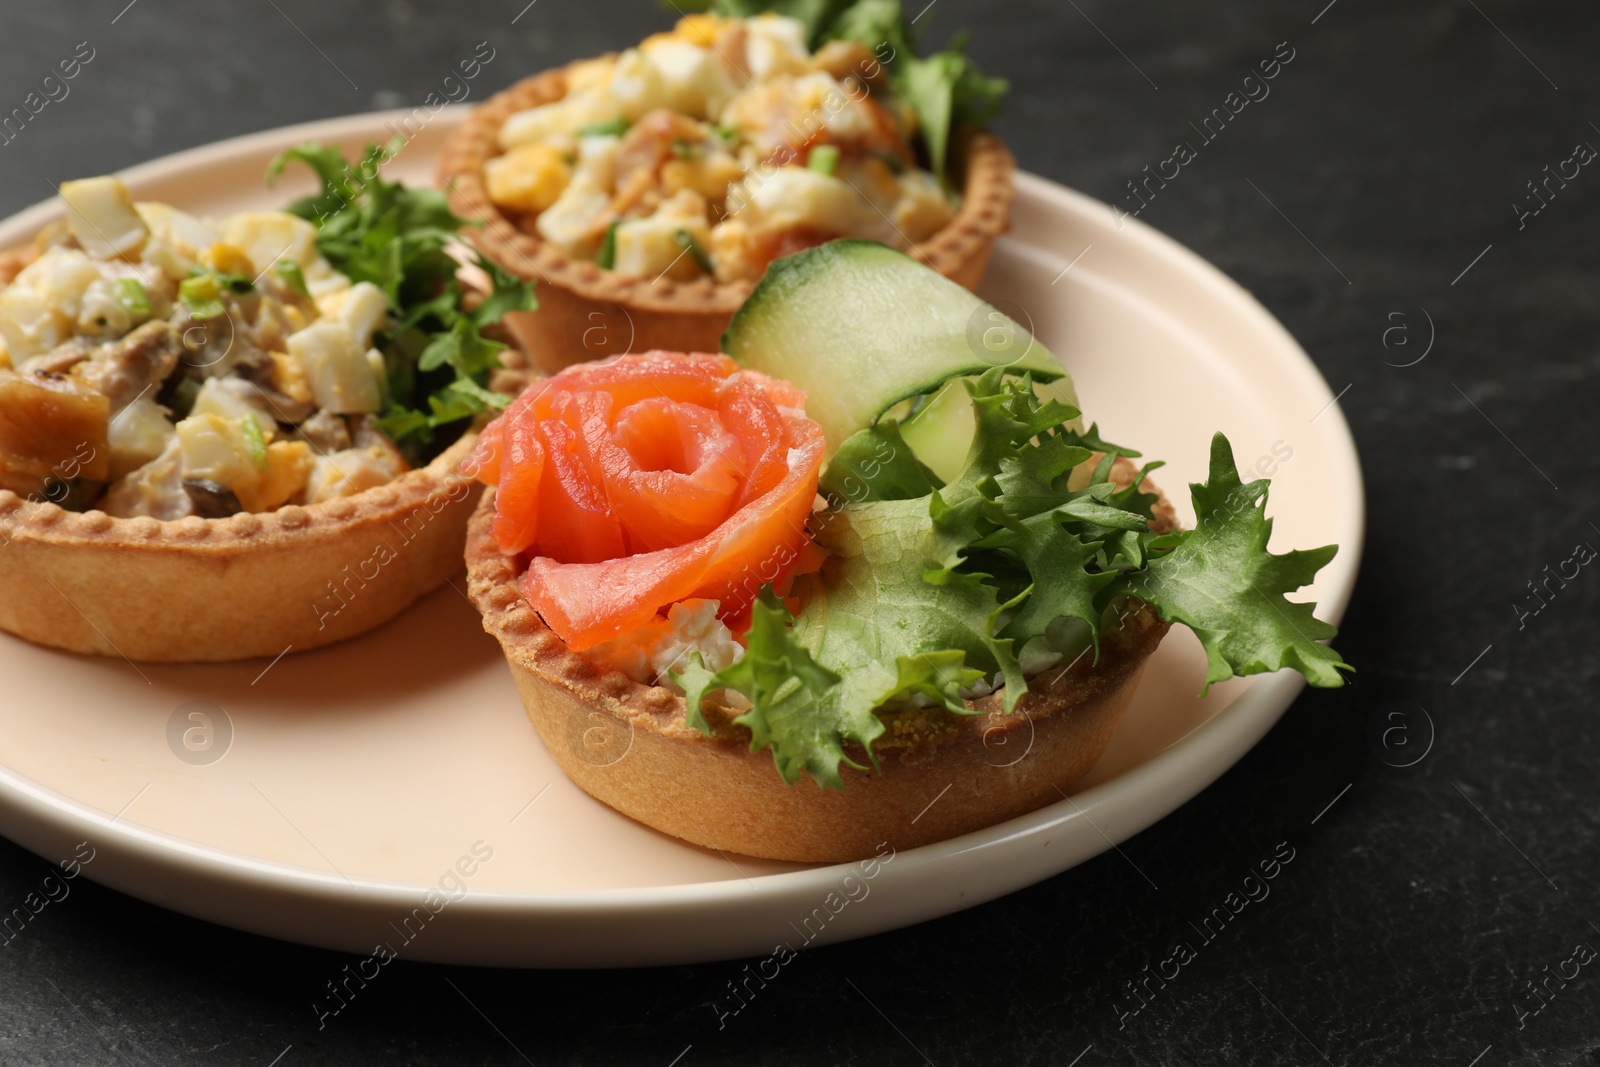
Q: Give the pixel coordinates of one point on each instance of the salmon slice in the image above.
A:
(647, 480)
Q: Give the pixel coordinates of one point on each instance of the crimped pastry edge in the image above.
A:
(940, 776)
(194, 589)
(662, 313)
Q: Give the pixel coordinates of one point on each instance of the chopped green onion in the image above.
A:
(613, 128)
(236, 283)
(686, 240)
(606, 258)
(292, 276)
(727, 133)
(685, 149)
(201, 295)
(254, 440)
(134, 300)
(824, 159)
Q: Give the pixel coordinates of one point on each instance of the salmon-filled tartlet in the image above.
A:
(870, 560)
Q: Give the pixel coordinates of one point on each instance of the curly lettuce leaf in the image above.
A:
(800, 709)
(1219, 580)
(924, 595)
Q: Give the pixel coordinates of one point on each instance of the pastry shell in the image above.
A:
(251, 584)
(586, 312)
(940, 776)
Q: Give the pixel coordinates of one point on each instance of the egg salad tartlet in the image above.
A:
(649, 190)
(221, 438)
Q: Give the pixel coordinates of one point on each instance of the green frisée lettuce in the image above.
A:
(437, 358)
(933, 587)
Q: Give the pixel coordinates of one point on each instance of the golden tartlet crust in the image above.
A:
(941, 776)
(252, 584)
(586, 312)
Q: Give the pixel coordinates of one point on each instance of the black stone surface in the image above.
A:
(1420, 901)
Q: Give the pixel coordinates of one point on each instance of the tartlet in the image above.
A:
(716, 575)
(252, 584)
(586, 312)
(627, 744)
(277, 496)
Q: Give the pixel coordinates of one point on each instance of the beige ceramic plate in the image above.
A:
(327, 798)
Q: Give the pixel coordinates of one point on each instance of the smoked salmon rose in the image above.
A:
(647, 480)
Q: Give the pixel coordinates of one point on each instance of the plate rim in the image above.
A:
(1200, 757)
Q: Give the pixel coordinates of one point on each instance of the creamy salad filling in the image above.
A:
(153, 363)
(716, 148)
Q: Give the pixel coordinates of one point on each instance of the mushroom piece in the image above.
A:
(124, 370)
(211, 500)
(52, 426)
(325, 432)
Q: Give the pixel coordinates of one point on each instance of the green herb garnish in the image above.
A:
(202, 296)
(824, 159)
(929, 593)
(398, 238)
(685, 149)
(606, 258)
(254, 440)
(133, 298)
(687, 242)
(611, 128)
(292, 276)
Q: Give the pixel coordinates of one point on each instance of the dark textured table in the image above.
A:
(1383, 185)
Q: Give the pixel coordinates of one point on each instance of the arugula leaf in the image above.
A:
(1220, 581)
(923, 595)
(400, 239)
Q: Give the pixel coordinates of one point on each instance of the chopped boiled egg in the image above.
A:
(138, 434)
(576, 221)
(102, 218)
(530, 177)
(664, 242)
(775, 45)
(336, 368)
